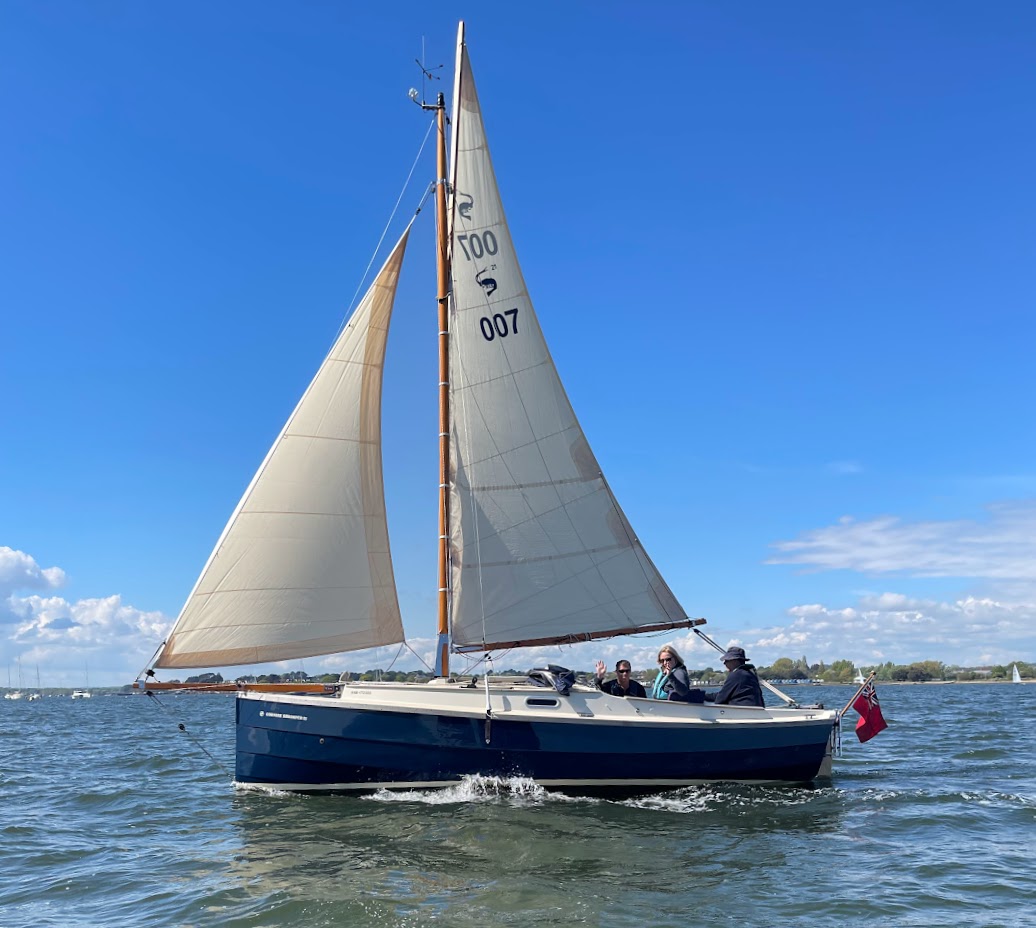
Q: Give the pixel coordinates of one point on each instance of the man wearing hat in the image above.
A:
(742, 685)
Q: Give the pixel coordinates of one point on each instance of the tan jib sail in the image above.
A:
(540, 550)
(303, 567)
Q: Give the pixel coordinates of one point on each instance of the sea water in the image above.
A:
(113, 815)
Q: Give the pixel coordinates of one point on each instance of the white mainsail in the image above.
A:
(303, 567)
(540, 549)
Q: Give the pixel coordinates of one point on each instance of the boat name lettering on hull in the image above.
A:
(284, 715)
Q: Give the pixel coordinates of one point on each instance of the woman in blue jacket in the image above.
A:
(672, 681)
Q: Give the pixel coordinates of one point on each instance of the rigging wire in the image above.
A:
(489, 701)
(418, 656)
(392, 662)
(388, 225)
(181, 727)
(148, 670)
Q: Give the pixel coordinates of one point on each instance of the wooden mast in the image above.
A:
(444, 177)
(442, 656)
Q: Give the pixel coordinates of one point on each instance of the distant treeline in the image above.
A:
(783, 668)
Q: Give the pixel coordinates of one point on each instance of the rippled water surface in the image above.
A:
(111, 815)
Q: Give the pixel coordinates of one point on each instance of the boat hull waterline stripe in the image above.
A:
(448, 784)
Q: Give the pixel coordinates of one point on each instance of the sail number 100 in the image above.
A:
(497, 324)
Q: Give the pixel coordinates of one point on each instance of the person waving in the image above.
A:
(623, 684)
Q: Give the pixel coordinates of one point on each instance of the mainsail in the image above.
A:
(540, 549)
(303, 567)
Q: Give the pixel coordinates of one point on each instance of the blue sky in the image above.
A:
(783, 255)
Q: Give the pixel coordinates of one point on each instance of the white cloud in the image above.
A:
(65, 637)
(19, 571)
(895, 627)
(995, 627)
(1001, 548)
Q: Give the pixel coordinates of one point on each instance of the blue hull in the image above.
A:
(338, 748)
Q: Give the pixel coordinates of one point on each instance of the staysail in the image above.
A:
(540, 549)
(303, 567)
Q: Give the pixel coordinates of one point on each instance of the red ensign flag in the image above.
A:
(871, 721)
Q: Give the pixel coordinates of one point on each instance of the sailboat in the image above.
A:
(1015, 676)
(859, 679)
(534, 549)
(38, 692)
(84, 693)
(14, 694)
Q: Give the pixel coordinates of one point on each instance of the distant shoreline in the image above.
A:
(915, 683)
(943, 682)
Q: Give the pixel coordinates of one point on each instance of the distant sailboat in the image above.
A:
(37, 693)
(83, 693)
(859, 678)
(1015, 676)
(14, 694)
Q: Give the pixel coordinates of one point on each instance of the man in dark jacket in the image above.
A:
(623, 684)
(742, 685)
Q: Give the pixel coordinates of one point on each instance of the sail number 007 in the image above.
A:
(498, 325)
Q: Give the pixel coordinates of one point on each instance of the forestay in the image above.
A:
(540, 549)
(303, 566)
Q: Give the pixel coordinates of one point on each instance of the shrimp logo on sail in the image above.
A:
(486, 283)
(465, 206)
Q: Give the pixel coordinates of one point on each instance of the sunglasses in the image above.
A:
(623, 670)
(665, 660)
